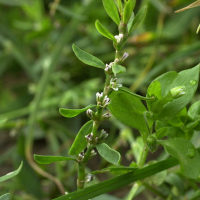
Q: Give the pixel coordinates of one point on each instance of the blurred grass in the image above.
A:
(39, 74)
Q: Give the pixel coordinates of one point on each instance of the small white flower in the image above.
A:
(119, 37)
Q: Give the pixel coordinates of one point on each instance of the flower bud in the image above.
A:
(103, 135)
(99, 97)
(105, 101)
(88, 178)
(151, 143)
(89, 138)
(93, 153)
(106, 116)
(114, 85)
(178, 91)
(125, 55)
(80, 156)
(108, 69)
(90, 113)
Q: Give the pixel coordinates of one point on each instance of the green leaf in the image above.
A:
(73, 112)
(188, 78)
(5, 197)
(157, 106)
(104, 31)
(128, 109)
(11, 174)
(80, 141)
(118, 69)
(161, 133)
(111, 10)
(155, 90)
(128, 8)
(119, 181)
(194, 110)
(108, 154)
(88, 58)
(129, 25)
(188, 157)
(50, 159)
(138, 18)
(128, 91)
(194, 113)
(119, 169)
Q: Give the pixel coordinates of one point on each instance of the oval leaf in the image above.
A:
(188, 157)
(194, 110)
(104, 31)
(73, 112)
(50, 159)
(111, 10)
(128, 109)
(88, 58)
(11, 174)
(5, 197)
(129, 6)
(118, 69)
(138, 18)
(108, 154)
(188, 78)
(80, 141)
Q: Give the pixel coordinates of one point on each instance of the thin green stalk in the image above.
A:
(87, 155)
(143, 157)
(119, 58)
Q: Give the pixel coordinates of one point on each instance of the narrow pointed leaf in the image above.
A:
(11, 174)
(118, 69)
(188, 157)
(50, 159)
(119, 181)
(108, 154)
(129, 6)
(73, 112)
(130, 22)
(138, 18)
(111, 10)
(120, 169)
(104, 31)
(80, 143)
(88, 58)
(5, 197)
(128, 91)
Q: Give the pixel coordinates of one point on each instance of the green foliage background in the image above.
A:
(36, 57)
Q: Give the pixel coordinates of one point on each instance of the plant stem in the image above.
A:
(81, 175)
(143, 157)
(96, 123)
(123, 33)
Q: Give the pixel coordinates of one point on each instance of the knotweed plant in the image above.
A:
(164, 121)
